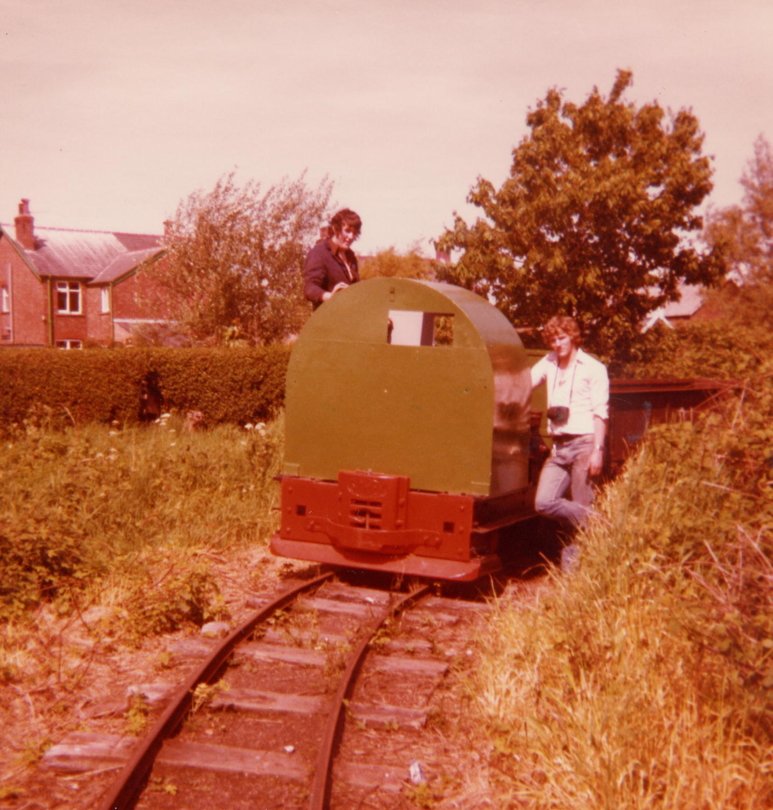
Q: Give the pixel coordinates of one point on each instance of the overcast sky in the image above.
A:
(112, 111)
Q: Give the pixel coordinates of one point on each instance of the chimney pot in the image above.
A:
(25, 226)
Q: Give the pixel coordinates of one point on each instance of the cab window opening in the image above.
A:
(412, 328)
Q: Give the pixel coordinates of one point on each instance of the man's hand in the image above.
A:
(596, 461)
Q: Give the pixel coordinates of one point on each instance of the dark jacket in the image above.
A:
(323, 270)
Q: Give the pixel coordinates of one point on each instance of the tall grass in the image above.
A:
(644, 680)
(93, 504)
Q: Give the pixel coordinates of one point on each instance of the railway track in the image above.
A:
(316, 701)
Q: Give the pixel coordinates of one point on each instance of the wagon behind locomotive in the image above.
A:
(407, 432)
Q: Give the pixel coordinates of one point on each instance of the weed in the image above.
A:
(33, 750)
(163, 785)
(205, 693)
(336, 660)
(296, 625)
(383, 636)
(421, 795)
(137, 715)
(188, 596)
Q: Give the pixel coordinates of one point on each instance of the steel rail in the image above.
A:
(320, 791)
(130, 782)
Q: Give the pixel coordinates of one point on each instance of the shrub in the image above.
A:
(722, 349)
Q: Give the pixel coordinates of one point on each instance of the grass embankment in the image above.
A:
(644, 680)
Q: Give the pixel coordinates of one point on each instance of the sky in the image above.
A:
(114, 111)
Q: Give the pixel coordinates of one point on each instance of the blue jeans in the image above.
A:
(566, 471)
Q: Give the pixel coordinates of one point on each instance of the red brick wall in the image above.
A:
(99, 325)
(125, 298)
(137, 297)
(28, 319)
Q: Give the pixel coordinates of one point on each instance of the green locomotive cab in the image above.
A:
(407, 432)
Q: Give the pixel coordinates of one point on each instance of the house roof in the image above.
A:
(690, 301)
(123, 264)
(87, 255)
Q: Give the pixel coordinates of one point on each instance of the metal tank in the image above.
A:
(407, 431)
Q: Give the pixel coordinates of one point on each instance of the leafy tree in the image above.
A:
(594, 220)
(745, 232)
(234, 260)
(391, 264)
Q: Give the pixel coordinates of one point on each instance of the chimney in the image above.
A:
(442, 256)
(25, 226)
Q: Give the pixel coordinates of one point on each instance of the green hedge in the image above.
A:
(129, 385)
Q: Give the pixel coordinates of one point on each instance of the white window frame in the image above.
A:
(5, 300)
(73, 298)
(69, 343)
(104, 300)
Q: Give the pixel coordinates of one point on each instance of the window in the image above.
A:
(411, 328)
(68, 297)
(5, 300)
(104, 297)
(69, 344)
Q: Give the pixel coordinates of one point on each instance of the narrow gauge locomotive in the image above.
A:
(408, 444)
(413, 444)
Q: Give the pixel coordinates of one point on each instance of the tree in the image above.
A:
(234, 260)
(745, 232)
(594, 220)
(391, 264)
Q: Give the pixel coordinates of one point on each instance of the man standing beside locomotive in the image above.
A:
(331, 264)
(578, 408)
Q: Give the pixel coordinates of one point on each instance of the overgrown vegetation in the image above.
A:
(645, 679)
(131, 506)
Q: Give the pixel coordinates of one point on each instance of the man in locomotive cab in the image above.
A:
(331, 264)
(578, 404)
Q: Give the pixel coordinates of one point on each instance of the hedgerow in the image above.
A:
(132, 385)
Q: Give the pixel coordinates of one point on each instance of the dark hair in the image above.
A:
(346, 217)
(561, 323)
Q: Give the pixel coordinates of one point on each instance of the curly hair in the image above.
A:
(562, 323)
(346, 217)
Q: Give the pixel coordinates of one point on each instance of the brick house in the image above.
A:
(70, 288)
